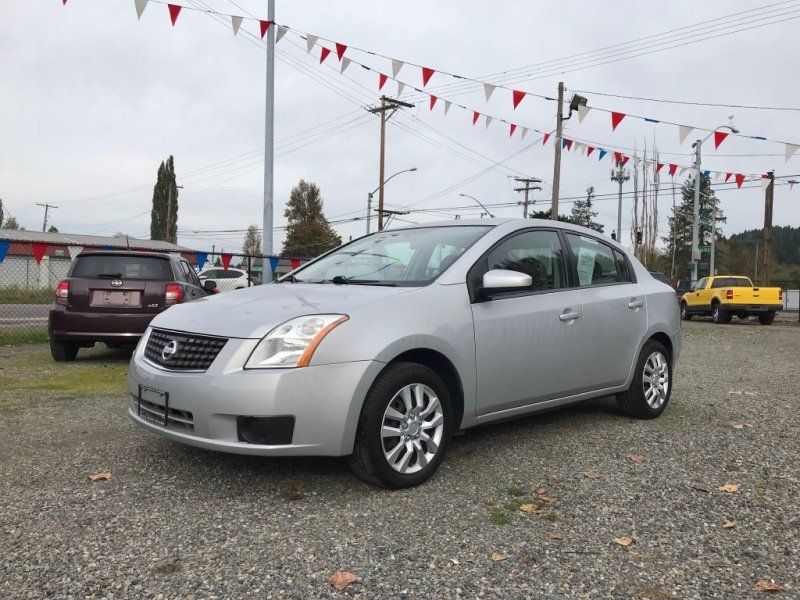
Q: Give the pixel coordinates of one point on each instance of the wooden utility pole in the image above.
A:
(557, 144)
(46, 208)
(527, 188)
(766, 255)
(387, 104)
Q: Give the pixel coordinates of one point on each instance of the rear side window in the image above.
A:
(122, 267)
(595, 262)
(739, 282)
(721, 282)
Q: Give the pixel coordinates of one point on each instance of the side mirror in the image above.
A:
(210, 286)
(503, 280)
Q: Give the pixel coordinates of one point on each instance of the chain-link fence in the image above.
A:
(31, 272)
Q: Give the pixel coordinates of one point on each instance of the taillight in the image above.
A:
(173, 294)
(780, 295)
(729, 295)
(62, 292)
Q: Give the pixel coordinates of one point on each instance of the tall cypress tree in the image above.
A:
(165, 185)
(308, 232)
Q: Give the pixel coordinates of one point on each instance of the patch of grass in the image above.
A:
(15, 294)
(550, 517)
(516, 490)
(499, 517)
(23, 336)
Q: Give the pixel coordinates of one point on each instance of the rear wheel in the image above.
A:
(718, 315)
(652, 383)
(63, 351)
(404, 428)
(685, 314)
(766, 319)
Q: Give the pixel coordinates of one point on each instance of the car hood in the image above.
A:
(254, 312)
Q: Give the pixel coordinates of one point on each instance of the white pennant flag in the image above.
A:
(578, 147)
(311, 41)
(583, 110)
(140, 6)
(447, 105)
(524, 133)
(280, 33)
(765, 182)
(683, 132)
(488, 121)
(717, 176)
(488, 89)
(790, 150)
(346, 63)
(400, 87)
(74, 251)
(396, 66)
(682, 170)
(236, 22)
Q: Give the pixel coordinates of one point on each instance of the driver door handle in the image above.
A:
(635, 303)
(569, 315)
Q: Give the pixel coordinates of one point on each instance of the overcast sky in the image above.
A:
(92, 100)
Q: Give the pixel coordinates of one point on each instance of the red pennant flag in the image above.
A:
(719, 137)
(672, 169)
(659, 166)
(264, 26)
(433, 101)
(381, 80)
(324, 54)
(475, 115)
(174, 11)
(728, 176)
(569, 144)
(426, 75)
(63, 2)
(625, 160)
(739, 180)
(518, 97)
(617, 158)
(589, 150)
(340, 48)
(616, 119)
(39, 250)
(545, 138)
(226, 260)
(512, 128)
(295, 263)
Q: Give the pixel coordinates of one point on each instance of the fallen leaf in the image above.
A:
(637, 458)
(768, 586)
(104, 476)
(529, 559)
(547, 499)
(555, 536)
(738, 426)
(496, 556)
(748, 425)
(729, 524)
(591, 474)
(530, 508)
(539, 490)
(729, 488)
(341, 579)
(297, 491)
(624, 541)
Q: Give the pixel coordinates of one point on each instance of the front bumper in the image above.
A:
(324, 400)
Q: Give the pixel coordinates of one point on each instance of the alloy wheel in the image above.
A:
(655, 380)
(412, 428)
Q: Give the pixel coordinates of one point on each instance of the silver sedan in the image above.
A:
(385, 347)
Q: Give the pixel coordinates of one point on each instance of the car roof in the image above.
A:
(127, 253)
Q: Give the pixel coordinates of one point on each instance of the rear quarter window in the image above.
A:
(123, 267)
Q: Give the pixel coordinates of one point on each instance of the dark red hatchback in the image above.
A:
(112, 296)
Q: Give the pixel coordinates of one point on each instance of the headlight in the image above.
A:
(292, 344)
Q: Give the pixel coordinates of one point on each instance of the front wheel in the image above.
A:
(685, 314)
(404, 428)
(652, 383)
(63, 351)
(766, 319)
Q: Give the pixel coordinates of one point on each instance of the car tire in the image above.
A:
(685, 314)
(423, 391)
(63, 351)
(653, 371)
(766, 319)
(718, 315)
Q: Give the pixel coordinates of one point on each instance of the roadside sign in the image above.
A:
(705, 249)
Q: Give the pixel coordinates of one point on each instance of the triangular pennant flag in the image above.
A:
(140, 6)
(273, 263)
(625, 160)
(682, 171)
(706, 174)
(4, 246)
(426, 75)
(295, 263)
(672, 168)
(382, 80)
(765, 181)
(717, 176)
(517, 97)
(589, 150)
(545, 137)
(683, 132)
(340, 50)
(488, 121)
(264, 25)
(400, 87)
(346, 63)
(396, 66)
(475, 115)
(719, 137)
(280, 32)
(790, 150)
(617, 158)
(488, 89)
(433, 101)
(174, 11)
(236, 22)
(601, 154)
(578, 147)
(616, 119)
(63, 2)
(200, 259)
(583, 110)
(563, 143)
(226, 260)
(511, 129)
(739, 179)
(659, 166)
(311, 41)
(728, 176)
(447, 105)
(524, 133)
(324, 54)
(74, 251)
(569, 144)
(39, 250)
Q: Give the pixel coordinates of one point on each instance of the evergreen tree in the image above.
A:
(11, 223)
(165, 186)
(308, 232)
(252, 241)
(52, 229)
(681, 222)
(1, 212)
(582, 213)
(545, 214)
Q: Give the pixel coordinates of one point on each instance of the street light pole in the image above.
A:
(479, 204)
(380, 187)
(620, 177)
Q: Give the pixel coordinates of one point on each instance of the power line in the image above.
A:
(689, 102)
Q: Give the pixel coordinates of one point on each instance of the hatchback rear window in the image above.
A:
(122, 267)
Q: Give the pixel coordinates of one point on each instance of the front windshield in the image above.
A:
(405, 257)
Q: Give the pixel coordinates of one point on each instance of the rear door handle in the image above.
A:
(569, 315)
(635, 303)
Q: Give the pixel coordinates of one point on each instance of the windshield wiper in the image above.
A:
(110, 275)
(372, 282)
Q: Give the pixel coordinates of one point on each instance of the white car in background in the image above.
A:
(226, 279)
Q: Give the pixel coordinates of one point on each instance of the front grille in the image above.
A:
(192, 352)
(176, 419)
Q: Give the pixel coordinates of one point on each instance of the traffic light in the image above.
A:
(638, 237)
(614, 235)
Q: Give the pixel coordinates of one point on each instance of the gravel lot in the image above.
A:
(179, 522)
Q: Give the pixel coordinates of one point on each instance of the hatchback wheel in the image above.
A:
(652, 383)
(63, 351)
(404, 429)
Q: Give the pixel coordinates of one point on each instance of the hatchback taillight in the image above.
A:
(173, 294)
(62, 293)
(729, 295)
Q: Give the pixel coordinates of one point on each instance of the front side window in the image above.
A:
(535, 253)
(594, 261)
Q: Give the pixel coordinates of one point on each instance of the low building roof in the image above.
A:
(77, 239)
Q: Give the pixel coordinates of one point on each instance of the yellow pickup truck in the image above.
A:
(726, 295)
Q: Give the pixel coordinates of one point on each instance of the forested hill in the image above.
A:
(785, 243)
